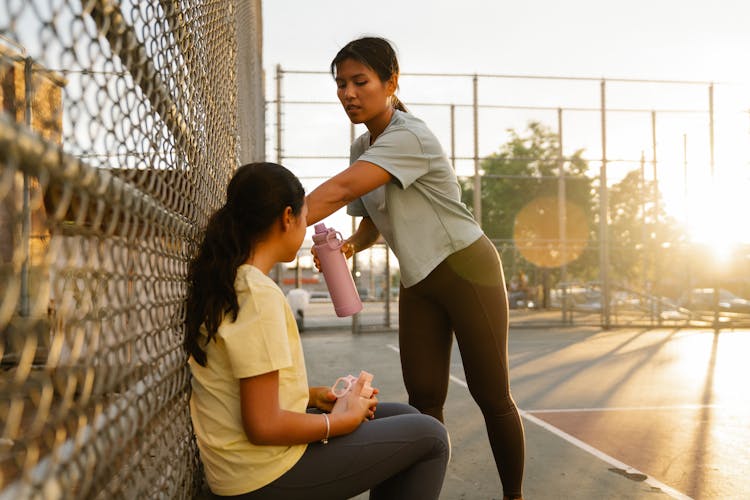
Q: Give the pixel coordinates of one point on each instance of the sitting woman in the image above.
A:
(261, 431)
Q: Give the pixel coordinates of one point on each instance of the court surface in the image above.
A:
(613, 414)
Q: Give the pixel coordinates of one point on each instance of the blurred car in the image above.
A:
(702, 299)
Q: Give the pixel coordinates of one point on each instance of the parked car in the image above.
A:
(702, 299)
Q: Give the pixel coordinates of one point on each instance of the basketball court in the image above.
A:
(625, 413)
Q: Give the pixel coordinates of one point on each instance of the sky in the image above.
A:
(665, 39)
(706, 41)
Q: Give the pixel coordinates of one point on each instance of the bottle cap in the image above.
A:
(320, 227)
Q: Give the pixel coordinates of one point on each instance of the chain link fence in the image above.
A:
(610, 201)
(118, 134)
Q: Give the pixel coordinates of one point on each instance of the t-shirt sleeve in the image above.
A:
(400, 153)
(257, 341)
(357, 209)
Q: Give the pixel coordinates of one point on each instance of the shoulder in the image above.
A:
(359, 144)
(252, 279)
(408, 121)
(407, 129)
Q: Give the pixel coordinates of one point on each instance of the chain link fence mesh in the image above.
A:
(117, 138)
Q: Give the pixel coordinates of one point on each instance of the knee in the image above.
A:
(497, 406)
(439, 435)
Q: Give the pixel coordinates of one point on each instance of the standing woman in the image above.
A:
(402, 185)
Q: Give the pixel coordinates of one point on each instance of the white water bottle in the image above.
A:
(328, 243)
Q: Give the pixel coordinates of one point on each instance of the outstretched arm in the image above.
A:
(343, 188)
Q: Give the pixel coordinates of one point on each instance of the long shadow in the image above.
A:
(650, 352)
(532, 354)
(563, 373)
(703, 432)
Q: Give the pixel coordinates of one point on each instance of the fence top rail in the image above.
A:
(600, 79)
(511, 107)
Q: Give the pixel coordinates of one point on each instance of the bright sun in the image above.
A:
(717, 217)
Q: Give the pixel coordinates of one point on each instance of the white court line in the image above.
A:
(627, 408)
(654, 483)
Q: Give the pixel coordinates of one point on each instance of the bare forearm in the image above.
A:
(338, 191)
(365, 235)
(325, 200)
(289, 428)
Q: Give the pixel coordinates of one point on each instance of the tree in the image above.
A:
(639, 240)
(643, 247)
(527, 168)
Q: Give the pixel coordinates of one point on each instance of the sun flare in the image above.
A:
(718, 220)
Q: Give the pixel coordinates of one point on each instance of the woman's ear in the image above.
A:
(391, 85)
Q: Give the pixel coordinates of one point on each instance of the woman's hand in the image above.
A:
(322, 398)
(352, 405)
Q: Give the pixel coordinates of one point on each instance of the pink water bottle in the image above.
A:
(338, 278)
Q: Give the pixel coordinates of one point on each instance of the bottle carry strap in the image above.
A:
(334, 239)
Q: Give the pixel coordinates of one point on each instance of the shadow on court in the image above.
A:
(608, 414)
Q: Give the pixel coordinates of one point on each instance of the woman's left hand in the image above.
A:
(322, 398)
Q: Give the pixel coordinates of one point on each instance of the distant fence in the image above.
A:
(675, 140)
(118, 134)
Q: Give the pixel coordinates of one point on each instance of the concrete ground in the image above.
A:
(619, 414)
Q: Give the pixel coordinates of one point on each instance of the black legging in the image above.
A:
(465, 294)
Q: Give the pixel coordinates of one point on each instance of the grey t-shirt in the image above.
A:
(419, 213)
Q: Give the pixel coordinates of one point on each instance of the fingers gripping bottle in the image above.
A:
(328, 243)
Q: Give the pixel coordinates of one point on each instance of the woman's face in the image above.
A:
(362, 94)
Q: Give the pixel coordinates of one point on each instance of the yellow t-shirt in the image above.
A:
(262, 339)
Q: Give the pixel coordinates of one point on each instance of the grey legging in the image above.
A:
(465, 294)
(401, 454)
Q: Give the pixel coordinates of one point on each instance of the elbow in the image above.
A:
(339, 191)
(257, 434)
(343, 194)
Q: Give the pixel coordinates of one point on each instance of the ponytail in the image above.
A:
(398, 104)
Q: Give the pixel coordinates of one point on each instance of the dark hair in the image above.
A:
(375, 53)
(257, 196)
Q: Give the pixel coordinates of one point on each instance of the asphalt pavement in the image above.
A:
(618, 414)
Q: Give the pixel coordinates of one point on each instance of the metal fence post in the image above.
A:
(604, 214)
(279, 150)
(477, 178)
(453, 136)
(713, 190)
(644, 238)
(563, 222)
(355, 317)
(279, 76)
(387, 286)
(658, 247)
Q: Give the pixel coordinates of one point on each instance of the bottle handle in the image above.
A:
(335, 240)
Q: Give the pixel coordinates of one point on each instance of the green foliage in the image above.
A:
(636, 238)
(527, 167)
